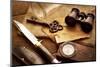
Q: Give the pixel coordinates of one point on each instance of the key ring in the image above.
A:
(54, 27)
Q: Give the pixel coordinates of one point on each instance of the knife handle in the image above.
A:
(49, 55)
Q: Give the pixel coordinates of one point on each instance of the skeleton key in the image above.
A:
(53, 27)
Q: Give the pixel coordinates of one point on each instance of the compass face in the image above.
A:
(68, 49)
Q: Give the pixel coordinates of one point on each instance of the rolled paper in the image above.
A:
(27, 56)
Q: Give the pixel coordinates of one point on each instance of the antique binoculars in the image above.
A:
(77, 17)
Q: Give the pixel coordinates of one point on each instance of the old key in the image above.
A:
(53, 27)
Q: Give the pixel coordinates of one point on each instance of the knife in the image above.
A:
(35, 41)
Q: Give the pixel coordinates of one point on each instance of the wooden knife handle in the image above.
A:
(48, 54)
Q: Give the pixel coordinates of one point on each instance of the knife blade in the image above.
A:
(26, 32)
(35, 41)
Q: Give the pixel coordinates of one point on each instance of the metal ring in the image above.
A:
(61, 49)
